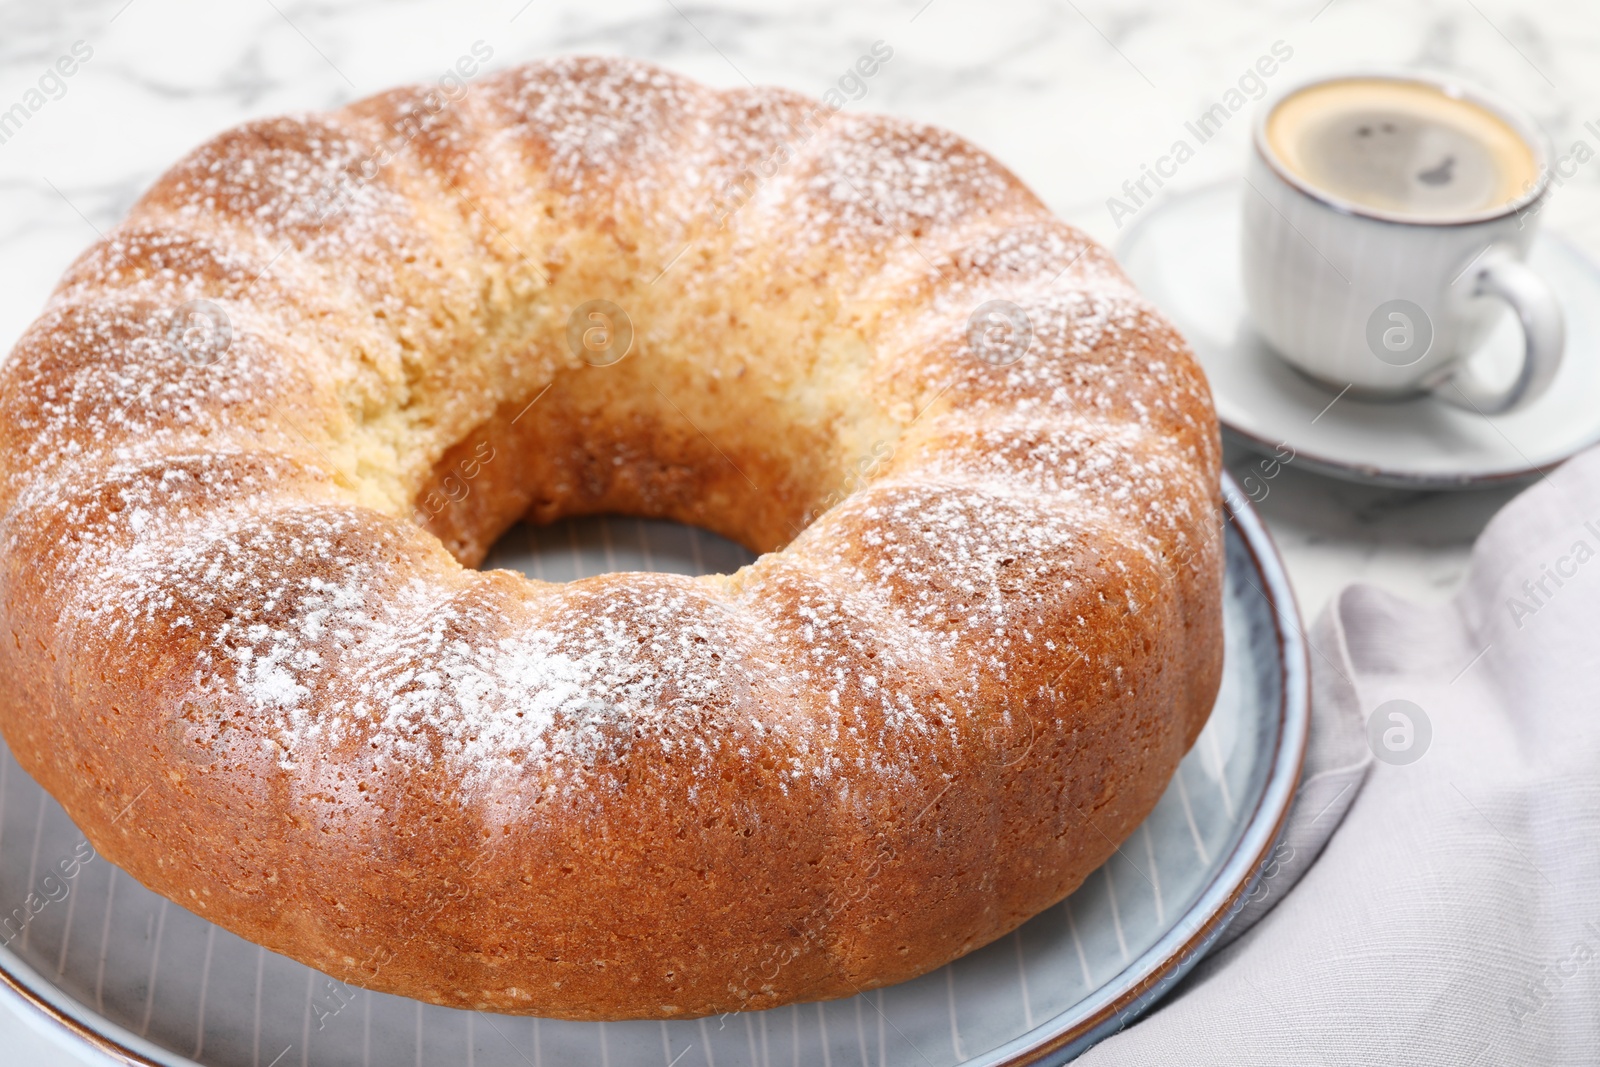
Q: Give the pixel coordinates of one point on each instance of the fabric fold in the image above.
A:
(1445, 908)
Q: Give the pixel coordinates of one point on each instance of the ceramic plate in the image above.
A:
(126, 977)
(1184, 255)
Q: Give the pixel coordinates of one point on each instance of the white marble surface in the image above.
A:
(1075, 97)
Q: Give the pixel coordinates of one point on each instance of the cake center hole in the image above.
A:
(569, 549)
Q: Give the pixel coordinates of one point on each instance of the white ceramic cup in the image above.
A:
(1389, 306)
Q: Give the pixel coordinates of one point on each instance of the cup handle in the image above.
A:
(1544, 333)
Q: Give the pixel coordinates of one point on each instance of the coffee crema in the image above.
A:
(1401, 147)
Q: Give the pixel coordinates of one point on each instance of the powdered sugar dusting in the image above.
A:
(580, 685)
(600, 127)
(334, 628)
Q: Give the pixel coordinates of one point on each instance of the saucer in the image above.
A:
(1184, 256)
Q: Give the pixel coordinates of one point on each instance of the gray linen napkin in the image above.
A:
(1447, 909)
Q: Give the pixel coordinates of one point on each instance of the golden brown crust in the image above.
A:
(241, 654)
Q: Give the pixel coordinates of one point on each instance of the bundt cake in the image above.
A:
(262, 433)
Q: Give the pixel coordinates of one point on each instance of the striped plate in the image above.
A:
(126, 977)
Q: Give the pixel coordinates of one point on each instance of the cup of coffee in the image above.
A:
(1387, 219)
